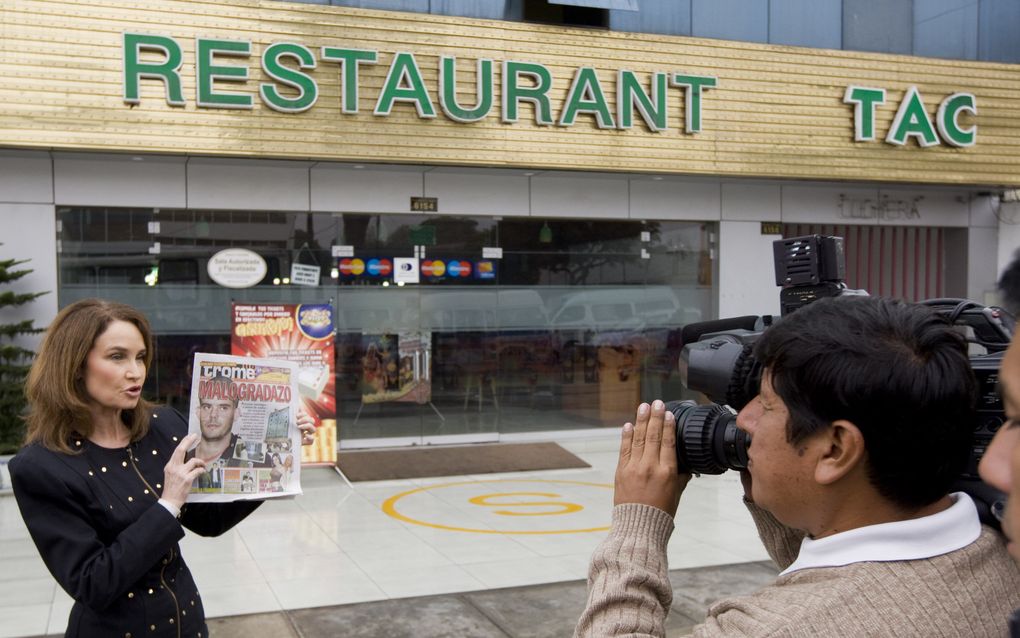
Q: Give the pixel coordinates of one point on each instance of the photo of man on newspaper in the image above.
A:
(218, 445)
(245, 413)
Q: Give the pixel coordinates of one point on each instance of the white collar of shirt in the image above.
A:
(949, 530)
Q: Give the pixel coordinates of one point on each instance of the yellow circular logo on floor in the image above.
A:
(506, 506)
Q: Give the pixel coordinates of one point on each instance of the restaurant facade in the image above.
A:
(510, 221)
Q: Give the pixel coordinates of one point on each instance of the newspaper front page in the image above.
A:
(245, 412)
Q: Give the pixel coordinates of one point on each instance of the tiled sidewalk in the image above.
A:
(336, 546)
(537, 611)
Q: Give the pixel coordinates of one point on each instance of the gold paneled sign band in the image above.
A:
(248, 78)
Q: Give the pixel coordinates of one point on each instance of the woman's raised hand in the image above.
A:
(179, 473)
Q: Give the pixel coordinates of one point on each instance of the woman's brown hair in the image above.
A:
(57, 398)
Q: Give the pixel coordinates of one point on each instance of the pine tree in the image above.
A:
(14, 360)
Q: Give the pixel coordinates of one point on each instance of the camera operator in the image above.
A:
(861, 424)
(1000, 466)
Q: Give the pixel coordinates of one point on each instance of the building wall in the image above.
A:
(32, 183)
(28, 218)
(1008, 214)
(775, 112)
(954, 29)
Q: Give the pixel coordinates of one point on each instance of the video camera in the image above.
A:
(717, 360)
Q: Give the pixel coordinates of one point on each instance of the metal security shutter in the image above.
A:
(891, 261)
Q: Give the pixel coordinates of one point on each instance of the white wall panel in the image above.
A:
(674, 199)
(1009, 234)
(84, 179)
(349, 190)
(26, 177)
(982, 264)
(933, 207)
(821, 204)
(29, 232)
(479, 193)
(247, 184)
(751, 202)
(593, 196)
(985, 210)
(747, 282)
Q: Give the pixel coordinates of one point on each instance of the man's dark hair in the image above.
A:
(1009, 285)
(897, 371)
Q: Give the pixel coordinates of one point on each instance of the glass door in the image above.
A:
(414, 366)
(514, 326)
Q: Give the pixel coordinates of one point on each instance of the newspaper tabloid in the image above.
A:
(245, 413)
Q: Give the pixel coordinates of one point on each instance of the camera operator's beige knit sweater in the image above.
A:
(968, 592)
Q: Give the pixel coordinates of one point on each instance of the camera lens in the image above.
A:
(708, 440)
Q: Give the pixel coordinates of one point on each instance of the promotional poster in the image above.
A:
(304, 335)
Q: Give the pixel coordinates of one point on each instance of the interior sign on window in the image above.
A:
(304, 275)
(236, 268)
(405, 270)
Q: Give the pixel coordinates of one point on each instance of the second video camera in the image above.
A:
(717, 358)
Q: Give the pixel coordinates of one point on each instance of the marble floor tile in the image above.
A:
(426, 581)
(25, 620)
(224, 574)
(60, 610)
(327, 588)
(275, 569)
(511, 573)
(17, 568)
(239, 598)
(26, 591)
(335, 545)
(227, 548)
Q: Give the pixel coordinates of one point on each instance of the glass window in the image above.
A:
(746, 20)
(946, 29)
(619, 5)
(997, 37)
(885, 26)
(492, 9)
(545, 11)
(806, 23)
(668, 17)
(577, 323)
(611, 312)
(417, 6)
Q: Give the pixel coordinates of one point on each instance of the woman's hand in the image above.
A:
(306, 424)
(179, 474)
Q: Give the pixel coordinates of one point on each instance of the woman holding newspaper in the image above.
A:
(103, 479)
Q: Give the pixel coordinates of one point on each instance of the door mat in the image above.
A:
(380, 465)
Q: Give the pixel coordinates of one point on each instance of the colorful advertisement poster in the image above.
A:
(244, 410)
(396, 367)
(303, 334)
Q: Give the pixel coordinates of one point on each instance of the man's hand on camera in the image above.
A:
(647, 470)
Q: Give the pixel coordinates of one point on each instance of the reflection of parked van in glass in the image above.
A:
(485, 310)
(627, 308)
